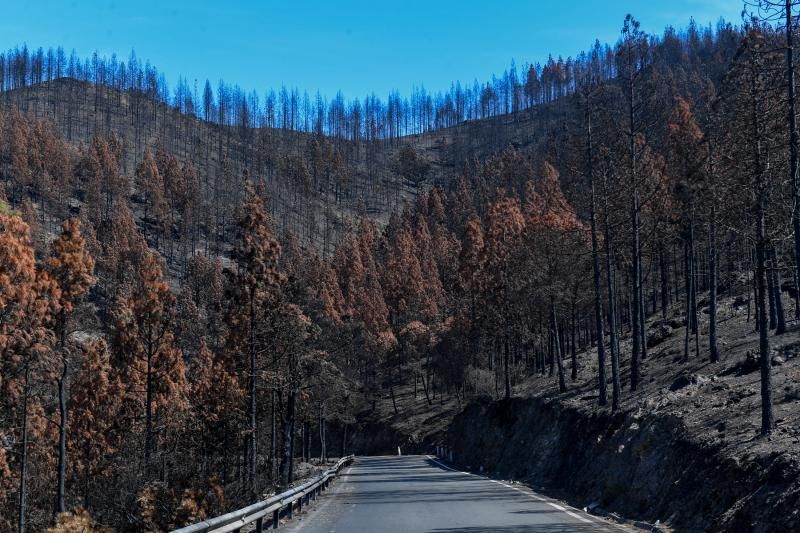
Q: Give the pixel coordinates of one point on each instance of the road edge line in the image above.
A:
(572, 511)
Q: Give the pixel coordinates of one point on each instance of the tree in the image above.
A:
(94, 404)
(292, 332)
(555, 238)
(781, 11)
(28, 302)
(151, 184)
(255, 282)
(103, 183)
(20, 168)
(761, 191)
(750, 86)
(71, 267)
(504, 225)
(216, 397)
(632, 59)
(470, 259)
(403, 281)
(411, 166)
(589, 171)
(688, 156)
(145, 350)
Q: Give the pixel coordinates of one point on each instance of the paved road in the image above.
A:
(417, 494)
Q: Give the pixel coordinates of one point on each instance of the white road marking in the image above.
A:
(573, 512)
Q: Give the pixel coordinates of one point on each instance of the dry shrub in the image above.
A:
(77, 521)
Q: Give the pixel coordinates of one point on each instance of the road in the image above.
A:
(417, 494)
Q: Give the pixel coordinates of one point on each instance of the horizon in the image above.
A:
(350, 45)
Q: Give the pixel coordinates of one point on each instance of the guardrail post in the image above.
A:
(243, 518)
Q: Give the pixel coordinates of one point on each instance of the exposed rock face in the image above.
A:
(641, 467)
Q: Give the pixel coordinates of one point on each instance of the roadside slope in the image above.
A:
(684, 449)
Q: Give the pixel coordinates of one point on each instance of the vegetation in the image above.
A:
(165, 356)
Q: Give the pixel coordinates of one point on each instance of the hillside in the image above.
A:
(317, 185)
(565, 292)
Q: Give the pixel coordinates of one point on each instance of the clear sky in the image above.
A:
(356, 46)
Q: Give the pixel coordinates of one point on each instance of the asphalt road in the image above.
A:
(416, 493)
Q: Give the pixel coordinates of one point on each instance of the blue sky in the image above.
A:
(355, 46)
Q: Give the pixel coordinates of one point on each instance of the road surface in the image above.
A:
(417, 494)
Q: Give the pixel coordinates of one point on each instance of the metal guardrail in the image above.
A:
(270, 508)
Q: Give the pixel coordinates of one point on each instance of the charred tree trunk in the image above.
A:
(760, 185)
(323, 456)
(616, 385)
(287, 458)
(251, 407)
(506, 370)
(23, 462)
(602, 398)
(344, 440)
(562, 385)
(62, 437)
(794, 141)
(712, 298)
(148, 416)
(62, 416)
(775, 276)
(572, 347)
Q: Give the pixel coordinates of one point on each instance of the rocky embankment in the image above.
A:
(646, 467)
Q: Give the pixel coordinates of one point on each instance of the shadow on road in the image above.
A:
(534, 528)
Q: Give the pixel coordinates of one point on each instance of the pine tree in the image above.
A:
(145, 350)
(71, 267)
(94, 405)
(19, 147)
(216, 397)
(151, 185)
(504, 226)
(28, 302)
(330, 295)
(687, 163)
(404, 282)
(632, 61)
(255, 282)
(557, 239)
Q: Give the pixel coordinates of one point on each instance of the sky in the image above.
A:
(328, 45)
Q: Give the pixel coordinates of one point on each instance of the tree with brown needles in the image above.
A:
(254, 285)
(145, 350)
(72, 268)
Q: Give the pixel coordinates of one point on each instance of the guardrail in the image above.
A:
(445, 452)
(258, 512)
